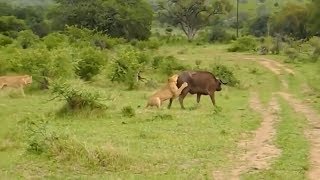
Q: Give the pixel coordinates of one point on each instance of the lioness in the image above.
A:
(167, 92)
(15, 82)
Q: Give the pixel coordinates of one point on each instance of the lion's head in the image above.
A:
(27, 79)
(173, 78)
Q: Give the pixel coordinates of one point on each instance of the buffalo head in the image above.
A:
(219, 82)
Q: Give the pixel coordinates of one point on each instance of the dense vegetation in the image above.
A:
(98, 60)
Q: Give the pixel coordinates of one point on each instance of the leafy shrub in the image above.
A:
(5, 40)
(292, 54)
(90, 63)
(11, 23)
(127, 65)
(77, 96)
(315, 43)
(43, 64)
(219, 34)
(266, 44)
(38, 134)
(245, 43)
(128, 111)
(26, 38)
(167, 64)
(77, 35)
(54, 40)
(152, 43)
(4, 66)
(105, 42)
(276, 45)
(226, 74)
(141, 45)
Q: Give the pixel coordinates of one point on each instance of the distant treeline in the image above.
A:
(133, 19)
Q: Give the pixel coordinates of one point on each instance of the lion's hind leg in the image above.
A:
(154, 101)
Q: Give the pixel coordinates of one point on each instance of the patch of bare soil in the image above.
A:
(271, 66)
(260, 150)
(274, 66)
(313, 134)
(278, 65)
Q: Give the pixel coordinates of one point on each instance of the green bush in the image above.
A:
(167, 64)
(43, 64)
(152, 43)
(5, 40)
(225, 74)
(128, 111)
(245, 43)
(10, 24)
(276, 45)
(292, 55)
(198, 64)
(26, 39)
(105, 42)
(4, 66)
(54, 40)
(77, 97)
(90, 63)
(126, 66)
(76, 34)
(219, 34)
(315, 43)
(141, 45)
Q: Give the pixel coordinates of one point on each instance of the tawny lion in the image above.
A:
(15, 82)
(167, 92)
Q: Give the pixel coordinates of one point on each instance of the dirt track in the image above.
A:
(260, 150)
(312, 133)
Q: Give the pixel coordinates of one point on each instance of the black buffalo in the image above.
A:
(200, 83)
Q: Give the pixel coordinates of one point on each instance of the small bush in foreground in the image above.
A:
(245, 43)
(5, 40)
(128, 111)
(78, 97)
(315, 43)
(226, 74)
(292, 55)
(127, 65)
(90, 64)
(167, 64)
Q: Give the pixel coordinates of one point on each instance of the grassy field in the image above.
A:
(155, 143)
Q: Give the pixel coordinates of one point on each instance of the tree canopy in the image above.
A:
(130, 19)
(191, 15)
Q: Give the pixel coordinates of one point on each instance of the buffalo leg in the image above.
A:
(198, 98)
(212, 99)
(170, 103)
(181, 97)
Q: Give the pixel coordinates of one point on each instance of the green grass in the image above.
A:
(172, 143)
(148, 143)
(293, 161)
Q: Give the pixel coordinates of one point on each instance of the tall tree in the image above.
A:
(130, 19)
(191, 15)
(291, 20)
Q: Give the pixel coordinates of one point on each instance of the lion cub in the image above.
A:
(169, 91)
(15, 82)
